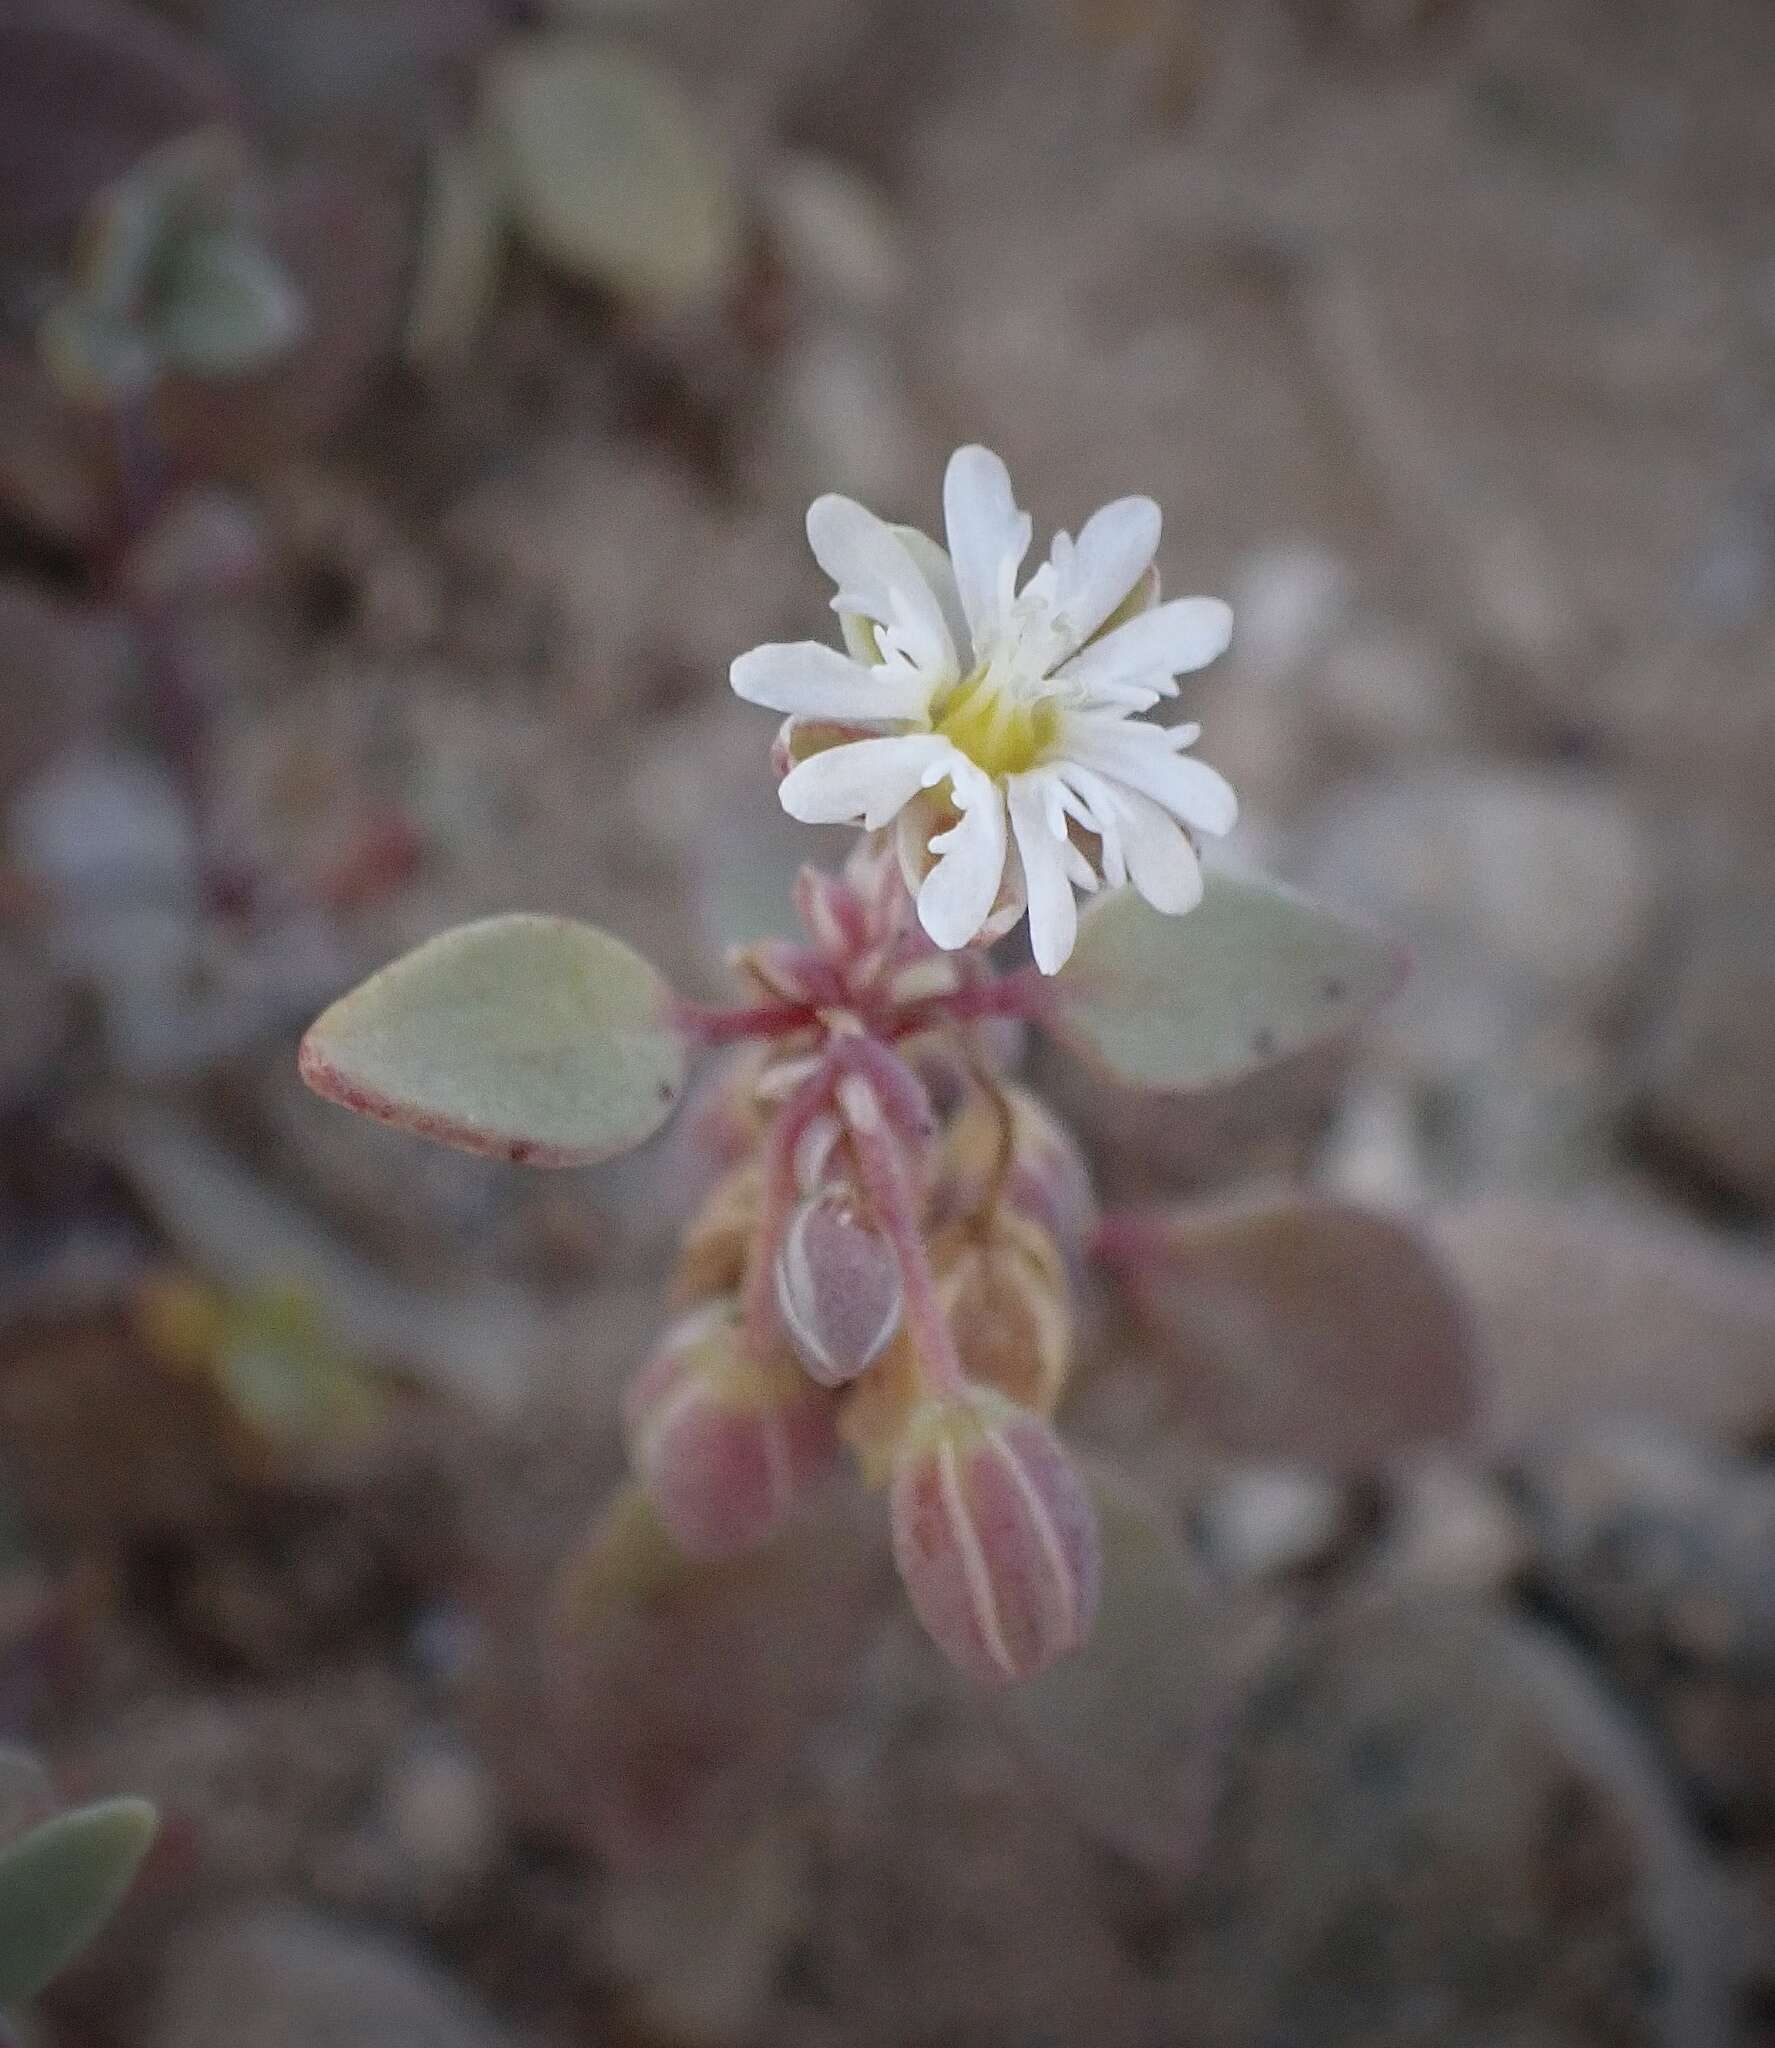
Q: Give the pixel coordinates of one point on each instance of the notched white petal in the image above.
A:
(864, 782)
(1140, 758)
(1098, 570)
(807, 679)
(877, 577)
(955, 899)
(988, 538)
(1170, 640)
(1042, 842)
(1162, 864)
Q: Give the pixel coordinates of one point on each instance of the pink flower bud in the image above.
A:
(725, 1443)
(1004, 1290)
(1049, 1181)
(995, 1536)
(838, 1287)
(1006, 1144)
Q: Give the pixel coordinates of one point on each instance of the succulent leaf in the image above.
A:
(60, 1883)
(1252, 975)
(533, 1039)
(609, 171)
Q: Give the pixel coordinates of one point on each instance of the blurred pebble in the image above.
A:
(837, 233)
(1265, 1522)
(702, 1948)
(274, 1976)
(1436, 1828)
(845, 421)
(1659, 1551)
(107, 826)
(1587, 1309)
(1451, 1530)
(441, 1808)
(1710, 1049)
(1651, 1538)
(1540, 875)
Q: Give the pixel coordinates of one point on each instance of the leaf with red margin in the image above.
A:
(533, 1039)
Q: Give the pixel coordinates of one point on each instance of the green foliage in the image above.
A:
(609, 172)
(533, 1039)
(1252, 975)
(172, 277)
(60, 1883)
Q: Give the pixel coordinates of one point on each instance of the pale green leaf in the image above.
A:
(93, 358)
(1253, 974)
(534, 1039)
(611, 173)
(225, 307)
(60, 1884)
(1123, 1727)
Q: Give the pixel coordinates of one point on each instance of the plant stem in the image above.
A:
(782, 1190)
(1013, 995)
(881, 1166)
(712, 1026)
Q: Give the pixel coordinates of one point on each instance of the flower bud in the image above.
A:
(838, 1288)
(1049, 1181)
(724, 1442)
(995, 1536)
(1005, 1292)
(712, 1258)
(1009, 1144)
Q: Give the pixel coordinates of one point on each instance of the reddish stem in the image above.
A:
(1021, 995)
(711, 1026)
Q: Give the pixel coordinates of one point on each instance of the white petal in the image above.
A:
(939, 572)
(878, 578)
(863, 782)
(1106, 561)
(1053, 914)
(1162, 863)
(810, 680)
(1170, 640)
(988, 538)
(1140, 757)
(1099, 806)
(956, 897)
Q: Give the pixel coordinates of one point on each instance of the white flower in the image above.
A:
(1002, 727)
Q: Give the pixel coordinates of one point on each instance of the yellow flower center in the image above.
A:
(998, 730)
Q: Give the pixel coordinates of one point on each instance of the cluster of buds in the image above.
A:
(883, 1264)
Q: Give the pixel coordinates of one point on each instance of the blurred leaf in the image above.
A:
(682, 1690)
(1125, 1727)
(173, 274)
(93, 358)
(534, 1039)
(288, 1379)
(611, 171)
(60, 1884)
(226, 306)
(1305, 1330)
(26, 1795)
(456, 269)
(476, 1341)
(1252, 975)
